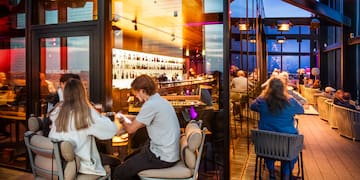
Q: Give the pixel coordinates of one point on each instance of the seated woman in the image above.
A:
(75, 120)
(277, 109)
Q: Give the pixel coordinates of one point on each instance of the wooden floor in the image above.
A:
(326, 154)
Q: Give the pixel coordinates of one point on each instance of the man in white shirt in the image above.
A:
(162, 125)
(239, 86)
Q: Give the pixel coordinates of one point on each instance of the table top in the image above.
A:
(310, 110)
(13, 115)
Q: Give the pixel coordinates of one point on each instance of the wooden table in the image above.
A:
(310, 110)
(16, 117)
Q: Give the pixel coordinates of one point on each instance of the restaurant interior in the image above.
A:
(192, 50)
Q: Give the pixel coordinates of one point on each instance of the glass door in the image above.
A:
(59, 56)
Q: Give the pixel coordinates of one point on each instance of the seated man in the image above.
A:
(239, 86)
(345, 102)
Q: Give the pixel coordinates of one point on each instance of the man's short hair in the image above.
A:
(68, 76)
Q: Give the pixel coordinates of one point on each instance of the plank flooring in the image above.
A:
(326, 154)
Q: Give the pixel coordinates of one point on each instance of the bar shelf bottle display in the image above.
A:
(127, 65)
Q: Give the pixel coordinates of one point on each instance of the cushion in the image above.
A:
(46, 163)
(193, 134)
(41, 142)
(33, 124)
(179, 170)
(186, 154)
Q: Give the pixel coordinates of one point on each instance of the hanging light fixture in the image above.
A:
(244, 26)
(283, 25)
(252, 39)
(280, 39)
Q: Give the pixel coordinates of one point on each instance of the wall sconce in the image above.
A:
(280, 39)
(244, 27)
(252, 39)
(203, 52)
(187, 52)
(283, 25)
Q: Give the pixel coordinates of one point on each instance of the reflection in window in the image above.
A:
(290, 64)
(65, 55)
(248, 63)
(80, 14)
(271, 30)
(214, 47)
(304, 62)
(238, 8)
(305, 29)
(292, 30)
(305, 46)
(78, 53)
(273, 46)
(54, 12)
(213, 6)
(274, 62)
(291, 45)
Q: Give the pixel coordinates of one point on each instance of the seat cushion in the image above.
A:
(45, 163)
(177, 171)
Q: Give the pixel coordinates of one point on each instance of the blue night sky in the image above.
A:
(273, 8)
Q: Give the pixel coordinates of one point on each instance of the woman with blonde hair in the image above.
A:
(277, 109)
(75, 120)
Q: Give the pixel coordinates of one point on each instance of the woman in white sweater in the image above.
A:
(75, 120)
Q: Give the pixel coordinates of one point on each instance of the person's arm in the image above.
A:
(103, 127)
(255, 105)
(299, 109)
(131, 127)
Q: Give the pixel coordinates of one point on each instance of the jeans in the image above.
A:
(285, 170)
(142, 160)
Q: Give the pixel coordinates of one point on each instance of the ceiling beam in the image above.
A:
(321, 10)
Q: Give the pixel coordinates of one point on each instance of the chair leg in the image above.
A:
(302, 166)
(256, 165)
(260, 168)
